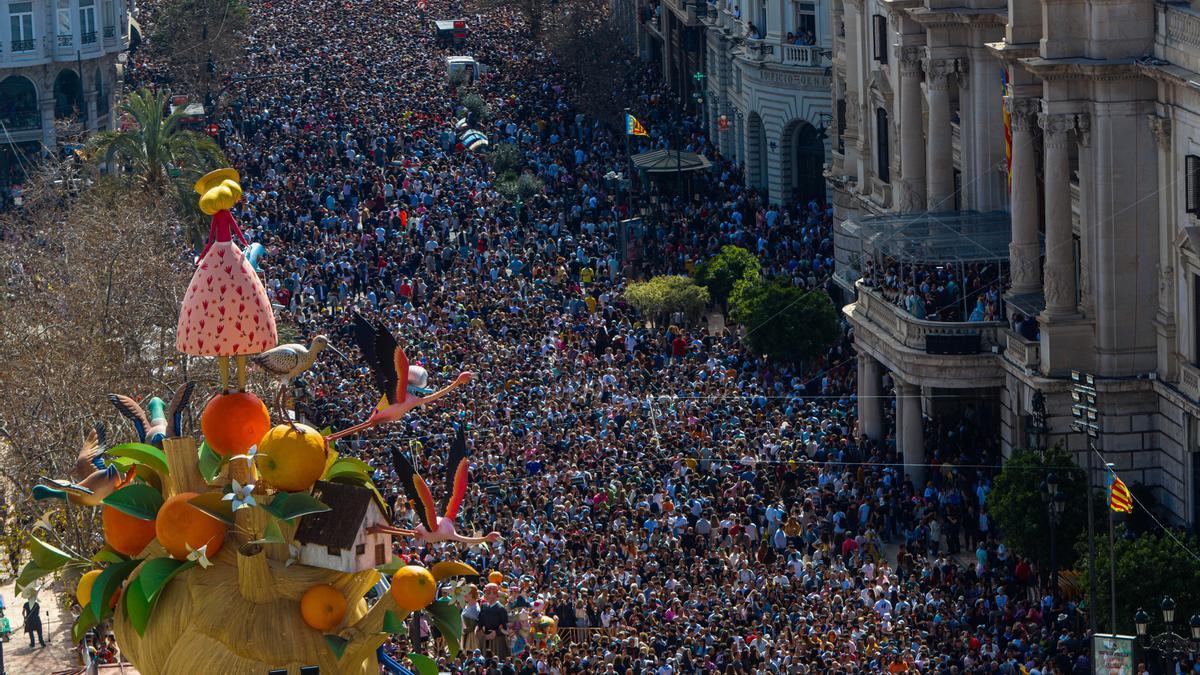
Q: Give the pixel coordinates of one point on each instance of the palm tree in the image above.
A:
(156, 152)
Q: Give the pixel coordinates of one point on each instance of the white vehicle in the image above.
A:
(467, 64)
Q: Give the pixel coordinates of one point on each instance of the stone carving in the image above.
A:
(852, 110)
(1055, 288)
(1161, 128)
(938, 72)
(1083, 129)
(1166, 289)
(1023, 112)
(961, 68)
(911, 196)
(910, 61)
(1056, 128)
(1023, 263)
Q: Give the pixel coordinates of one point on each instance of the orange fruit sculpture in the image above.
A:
(83, 590)
(413, 588)
(322, 607)
(291, 459)
(231, 423)
(181, 525)
(125, 533)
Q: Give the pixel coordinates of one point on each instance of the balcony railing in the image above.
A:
(801, 55)
(22, 120)
(1022, 352)
(88, 38)
(65, 40)
(23, 45)
(110, 32)
(1189, 380)
(770, 51)
(911, 331)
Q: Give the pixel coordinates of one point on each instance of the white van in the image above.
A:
(456, 64)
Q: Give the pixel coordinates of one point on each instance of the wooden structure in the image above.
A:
(338, 539)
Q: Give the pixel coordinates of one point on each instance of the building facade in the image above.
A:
(1016, 190)
(58, 70)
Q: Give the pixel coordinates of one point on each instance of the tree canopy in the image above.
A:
(785, 322)
(719, 273)
(1021, 512)
(666, 294)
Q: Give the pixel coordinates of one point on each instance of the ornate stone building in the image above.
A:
(1089, 259)
(58, 63)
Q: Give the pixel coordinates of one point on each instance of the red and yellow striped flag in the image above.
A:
(1119, 499)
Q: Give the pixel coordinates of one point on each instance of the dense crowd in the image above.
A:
(675, 502)
(949, 292)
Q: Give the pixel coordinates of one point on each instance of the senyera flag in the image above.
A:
(633, 127)
(1119, 498)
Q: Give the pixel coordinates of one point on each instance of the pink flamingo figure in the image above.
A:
(402, 387)
(432, 528)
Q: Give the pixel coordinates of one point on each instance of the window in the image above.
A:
(1192, 174)
(883, 154)
(380, 554)
(1196, 319)
(333, 551)
(109, 26)
(879, 24)
(63, 26)
(87, 21)
(20, 22)
(806, 22)
(360, 549)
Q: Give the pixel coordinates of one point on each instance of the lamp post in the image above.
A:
(1056, 503)
(1169, 645)
(1037, 423)
(1086, 419)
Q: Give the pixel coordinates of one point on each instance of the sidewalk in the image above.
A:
(58, 654)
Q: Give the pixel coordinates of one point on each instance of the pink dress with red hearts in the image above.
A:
(225, 311)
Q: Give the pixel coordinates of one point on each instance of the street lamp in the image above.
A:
(1037, 422)
(1169, 645)
(1056, 503)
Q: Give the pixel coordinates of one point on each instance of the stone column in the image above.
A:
(870, 408)
(912, 133)
(940, 158)
(911, 432)
(1024, 252)
(1060, 283)
(49, 133)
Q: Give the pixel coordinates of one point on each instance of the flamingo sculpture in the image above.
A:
(432, 528)
(402, 387)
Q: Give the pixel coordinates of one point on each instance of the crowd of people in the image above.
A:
(946, 292)
(675, 502)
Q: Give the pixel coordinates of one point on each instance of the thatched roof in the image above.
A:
(339, 526)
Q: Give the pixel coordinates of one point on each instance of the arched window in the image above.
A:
(883, 154)
(18, 104)
(68, 96)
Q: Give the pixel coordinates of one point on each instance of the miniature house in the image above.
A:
(337, 539)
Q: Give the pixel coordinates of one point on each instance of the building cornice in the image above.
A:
(1010, 53)
(1082, 68)
(957, 16)
(1167, 72)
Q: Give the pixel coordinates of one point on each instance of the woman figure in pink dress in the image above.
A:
(226, 312)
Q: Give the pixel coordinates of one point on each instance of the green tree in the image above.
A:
(663, 295)
(719, 273)
(477, 108)
(1019, 509)
(1149, 566)
(505, 159)
(156, 154)
(785, 322)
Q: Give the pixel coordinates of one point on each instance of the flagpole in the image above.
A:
(1112, 554)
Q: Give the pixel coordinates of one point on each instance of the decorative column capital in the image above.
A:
(910, 61)
(1056, 129)
(938, 72)
(1083, 129)
(1161, 128)
(1023, 112)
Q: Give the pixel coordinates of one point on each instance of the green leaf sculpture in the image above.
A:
(392, 623)
(107, 584)
(448, 620)
(337, 645)
(142, 453)
(289, 505)
(137, 499)
(83, 624)
(209, 462)
(45, 556)
(423, 664)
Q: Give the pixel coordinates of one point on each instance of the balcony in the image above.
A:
(933, 353)
(110, 32)
(23, 45)
(21, 120)
(806, 56)
(88, 38)
(1025, 354)
(777, 51)
(1189, 380)
(66, 40)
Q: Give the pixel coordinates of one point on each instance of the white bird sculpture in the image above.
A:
(287, 362)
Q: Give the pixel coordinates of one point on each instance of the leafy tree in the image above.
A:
(478, 109)
(785, 322)
(200, 41)
(1018, 507)
(1149, 566)
(720, 272)
(505, 158)
(520, 188)
(158, 155)
(666, 294)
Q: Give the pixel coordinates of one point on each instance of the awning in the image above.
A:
(666, 161)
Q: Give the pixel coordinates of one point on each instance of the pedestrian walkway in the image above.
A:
(19, 657)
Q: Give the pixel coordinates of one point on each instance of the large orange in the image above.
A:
(322, 607)
(180, 525)
(83, 591)
(413, 588)
(125, 533)
(231, 423)
(291, 459)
